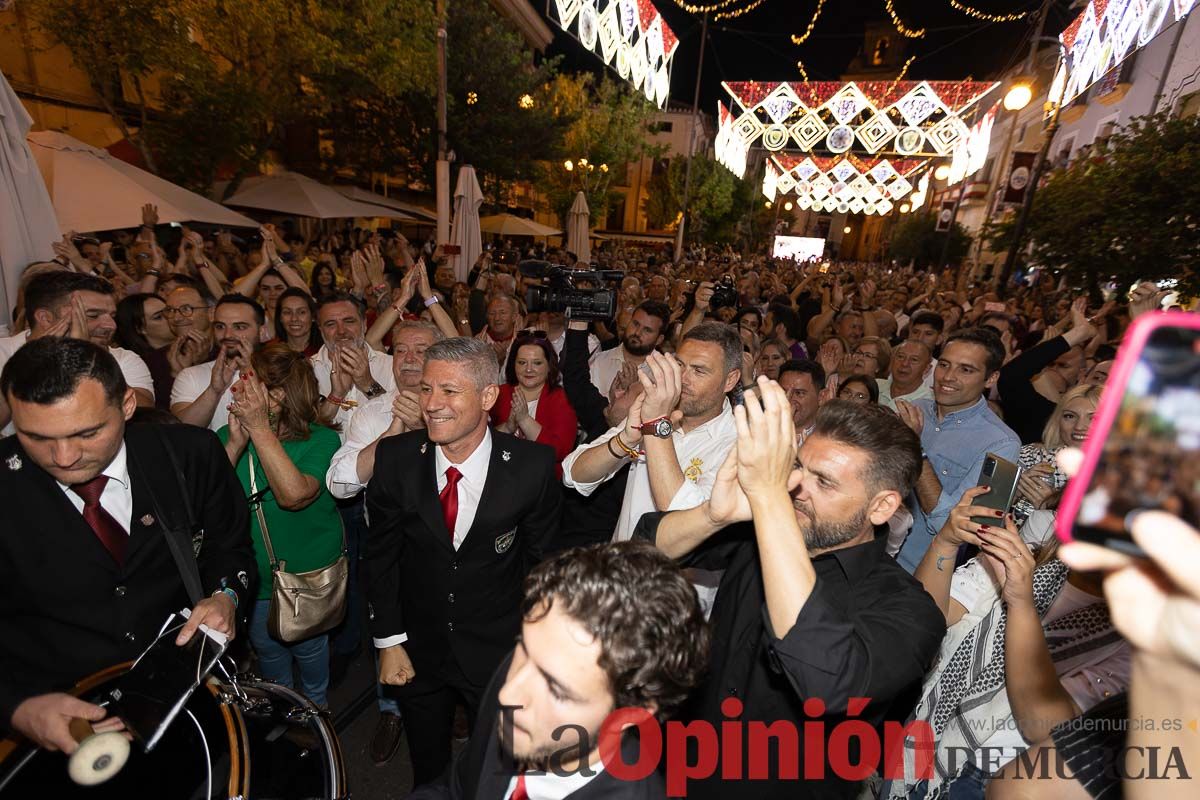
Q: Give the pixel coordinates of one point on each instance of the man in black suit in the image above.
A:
(458, 515)
(87, 577)
(607, 628)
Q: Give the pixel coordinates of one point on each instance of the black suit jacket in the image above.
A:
(481, 771)
(463, 603)
(66, 608)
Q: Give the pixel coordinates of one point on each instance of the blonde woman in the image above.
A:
(1041, 481)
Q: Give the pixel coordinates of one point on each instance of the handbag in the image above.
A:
(303, 604)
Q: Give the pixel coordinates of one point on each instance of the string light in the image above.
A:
(737, 12)
(900, 77)
(803, 71)
(812, 23)
(977, 14)
(903, 31)
(705, 9)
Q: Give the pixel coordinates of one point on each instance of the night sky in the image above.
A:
(757, 45)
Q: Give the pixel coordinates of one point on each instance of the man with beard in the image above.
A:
(459, 514)
(202, 394)
(586, 616)
(80, 306)
(814, 622)
(349, 372)
(643, 335)
(676, 433)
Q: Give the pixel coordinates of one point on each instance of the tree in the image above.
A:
(710, 198)
(1128, 212)
(917, 239)
(610, 128)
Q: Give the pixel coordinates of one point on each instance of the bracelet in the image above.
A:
(230, 593)
(614, 453)
(633, 454)
(341, 402)
(431, 301)
(156, 273)
(379, 287)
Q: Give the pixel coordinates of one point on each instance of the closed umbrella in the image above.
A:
(465, 231)
(301, 196)
(512, 225)
(578, 228)
(27, 222)
(93, 190)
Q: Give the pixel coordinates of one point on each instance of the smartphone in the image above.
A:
(737, 395)
(989, 307)
(649, 372)
(1143, 448)
(155, 689)
(1000, 476)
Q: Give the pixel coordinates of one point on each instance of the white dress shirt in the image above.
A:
(605, 365)
(470, 488)
(922, 391)
(117, 498)
(700, 452)
(549, 786)
(192, 382)
(367, 423)
(380, 365)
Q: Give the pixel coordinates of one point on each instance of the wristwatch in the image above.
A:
(374, 390)
(661, 427)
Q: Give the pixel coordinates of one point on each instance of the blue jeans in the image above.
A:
(275, 658)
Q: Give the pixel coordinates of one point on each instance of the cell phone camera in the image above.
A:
(989, 468)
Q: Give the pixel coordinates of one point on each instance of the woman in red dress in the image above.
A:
(532, 404)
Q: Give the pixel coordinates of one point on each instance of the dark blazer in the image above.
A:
(481, 771)
(67, 609)
(463, 603)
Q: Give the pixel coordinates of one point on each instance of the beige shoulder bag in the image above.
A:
(303, 604)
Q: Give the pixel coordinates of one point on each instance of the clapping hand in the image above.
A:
(766, 443)
(250, 404)
(662, 387)
(911, 416)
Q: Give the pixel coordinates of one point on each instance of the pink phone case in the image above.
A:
(1110, 403)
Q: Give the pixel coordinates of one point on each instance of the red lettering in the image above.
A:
(839, 749)
(760, 750)
(814, 749)
(679, 771)
(731, 740)
(649, 752)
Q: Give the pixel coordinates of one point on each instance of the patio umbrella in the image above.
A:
(578, 219)
(408, 211)
(465, 231)
(27, 222)
(300, 195)
(93, 190)
(512, 225)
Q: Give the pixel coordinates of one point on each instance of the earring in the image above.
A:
(272, 419)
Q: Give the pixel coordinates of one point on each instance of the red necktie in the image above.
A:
(449, 498)
(107, 530)
(519, 792)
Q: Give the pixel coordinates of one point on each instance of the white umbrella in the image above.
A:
(578, 228)
(512, 225)
(301, 196)
(407, 210)
(465, 231)
(27, 221)
(93, 190)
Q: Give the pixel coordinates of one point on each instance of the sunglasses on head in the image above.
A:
(536, 334)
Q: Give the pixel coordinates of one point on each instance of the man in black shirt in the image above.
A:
(810, 608)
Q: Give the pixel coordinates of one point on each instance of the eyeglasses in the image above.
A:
(185, 311)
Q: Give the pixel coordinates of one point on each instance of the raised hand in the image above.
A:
(911, 416)
(766, 444)
(662, 385)
(251, 404)
(1010, 560)
(959, 528)
(149, 215)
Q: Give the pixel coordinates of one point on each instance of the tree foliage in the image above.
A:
(1128, 212)
(710, 199)
(916, 239)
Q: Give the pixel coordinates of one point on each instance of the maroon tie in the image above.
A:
(107, 530)
(519, 792)
(449, 498)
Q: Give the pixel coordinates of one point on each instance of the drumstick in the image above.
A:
(80, 729)
(99, 756)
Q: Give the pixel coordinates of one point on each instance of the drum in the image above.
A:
(239, 739)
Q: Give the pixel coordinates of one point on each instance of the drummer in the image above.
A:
(87, 578)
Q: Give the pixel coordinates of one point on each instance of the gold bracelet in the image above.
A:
(633, 454)
(614, 453)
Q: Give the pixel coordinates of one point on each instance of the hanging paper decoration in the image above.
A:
(629, 35)
(916, 119)
(970, 154)
(841, 183)
(1105, 34)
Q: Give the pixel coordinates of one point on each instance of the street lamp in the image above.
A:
(768, 204)
(941, 173)
(787, 206)
(905, 208)
(568, 165)
(1019, 95)
(846, 229)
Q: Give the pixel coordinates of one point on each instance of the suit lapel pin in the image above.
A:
(14, 462)
(423, 447)
(506, 455)
(147, 520)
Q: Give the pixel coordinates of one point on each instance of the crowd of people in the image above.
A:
(750, 493)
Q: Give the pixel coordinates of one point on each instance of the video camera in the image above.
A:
(563, 293)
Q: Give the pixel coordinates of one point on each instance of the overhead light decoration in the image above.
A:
(1019, 95)
(1105, 34)
(942, 172)
(907, 119)
(628, 35)
(917, 199)
(970, 154)
(841, 183)
(525, 101)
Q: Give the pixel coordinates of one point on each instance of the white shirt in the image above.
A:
(367, 423)
(548, 786)
(700, 452)
(192, 382)
(137, 374)
(922, 391)
(470, 488)
(605, 365)
(380, 365)
(117, 498)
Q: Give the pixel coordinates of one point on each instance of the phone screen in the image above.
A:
(1150, 459)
